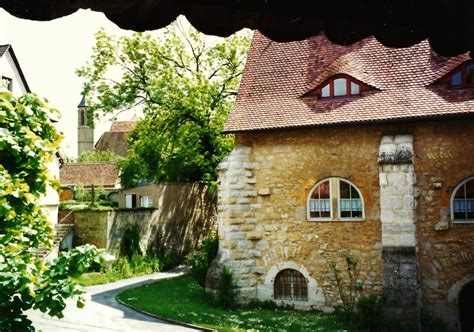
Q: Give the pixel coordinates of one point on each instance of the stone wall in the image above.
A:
(262, 209)
(187, 213)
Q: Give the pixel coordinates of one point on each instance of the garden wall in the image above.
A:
(186, 213)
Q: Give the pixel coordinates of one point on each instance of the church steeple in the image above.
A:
(85, 132)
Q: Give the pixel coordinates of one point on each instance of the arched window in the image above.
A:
(348, 200)
(82, 117)
(290, 285)
(462, 201)
(340, 86)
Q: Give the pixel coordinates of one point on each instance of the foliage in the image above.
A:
(81, 194)
(169, 260)
(28, 143)
(184, 83)
(130, 245)
(200, 258)
(182, 299)
(370, 312)
(227, 291)
(98, 156)
(349, 287)
(122, 268)
(102, 205)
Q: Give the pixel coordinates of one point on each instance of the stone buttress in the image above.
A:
(397, 215)
(237, 203)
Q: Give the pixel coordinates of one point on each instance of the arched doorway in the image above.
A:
(466, 307)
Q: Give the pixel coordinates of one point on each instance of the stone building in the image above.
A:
(361, 149)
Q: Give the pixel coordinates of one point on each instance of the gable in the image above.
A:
(10, 69)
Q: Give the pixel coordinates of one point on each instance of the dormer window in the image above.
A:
(463, 76)
(340, 86)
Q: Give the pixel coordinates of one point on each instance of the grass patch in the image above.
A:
(182, 299)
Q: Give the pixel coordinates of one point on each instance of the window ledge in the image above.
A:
(339, 220)
(460, 222)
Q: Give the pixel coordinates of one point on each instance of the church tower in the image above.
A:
(85, 133)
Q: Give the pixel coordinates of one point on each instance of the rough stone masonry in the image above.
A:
(398, 216)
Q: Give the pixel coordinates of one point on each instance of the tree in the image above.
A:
(28, 142)
(184, 83)
(98, 156)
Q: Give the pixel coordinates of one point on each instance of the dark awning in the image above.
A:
(448, 24)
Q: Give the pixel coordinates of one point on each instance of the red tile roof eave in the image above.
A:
(355, 123)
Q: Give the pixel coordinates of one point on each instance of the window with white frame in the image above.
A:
(462, 202)
(335, 198)
(146, 201)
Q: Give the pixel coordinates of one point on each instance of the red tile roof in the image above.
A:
(104, 174)
(116, 139)
(279, 77)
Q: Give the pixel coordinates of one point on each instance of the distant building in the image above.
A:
(85, 132)
(10, 71)
(115, 139)
(98, 175)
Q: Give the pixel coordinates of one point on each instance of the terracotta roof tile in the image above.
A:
(103, 174)
(278, 77)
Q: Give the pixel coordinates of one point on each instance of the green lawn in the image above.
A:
(183, 300)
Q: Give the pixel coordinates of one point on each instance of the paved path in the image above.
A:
(103, 313)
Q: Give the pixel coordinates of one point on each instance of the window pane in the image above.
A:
(460, 194)
(325, 91)
(340, 87)
(324, 189)
(470, 74)
(355, 89)
(290, 284)
(456, 80)
(470, 189)
(344, 189)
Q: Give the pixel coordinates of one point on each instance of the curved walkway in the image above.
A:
(103, 313)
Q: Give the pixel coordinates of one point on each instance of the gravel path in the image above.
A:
(103, 313)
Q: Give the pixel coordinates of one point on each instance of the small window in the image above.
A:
(462, 77)
(290, 285)
(335, 193)
(456, 80)
(7, 83)
(130, 201)
(146, 201)
(340, 86)
(82, 117)
(462, 202)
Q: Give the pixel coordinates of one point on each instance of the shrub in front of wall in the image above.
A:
(227, 291)
(370, 312)
(200, 258)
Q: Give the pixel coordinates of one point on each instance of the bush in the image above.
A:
(168, 261)
(200, 258)
(227, 291)
(130, 245)
(370, 312)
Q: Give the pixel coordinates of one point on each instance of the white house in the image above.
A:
(13, 78)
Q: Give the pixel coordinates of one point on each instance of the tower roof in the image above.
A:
(83, 102)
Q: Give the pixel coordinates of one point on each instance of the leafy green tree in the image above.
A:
(98, 156)
(184, 83)
(28, 142)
